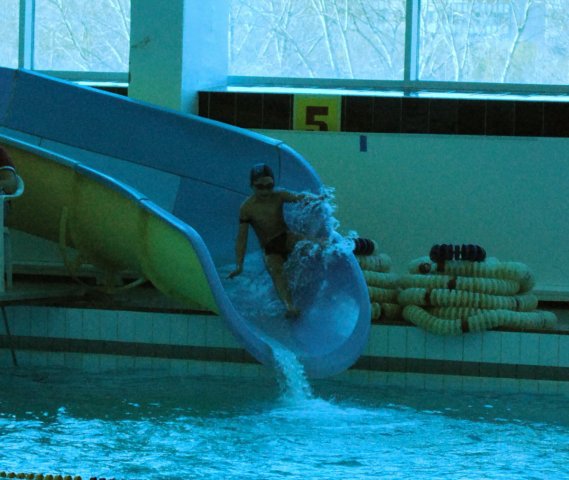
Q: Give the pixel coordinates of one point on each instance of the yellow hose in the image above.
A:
(425, 320)
(481, 321)
(391, 311)
(375, 263)
(490, 268)
(492, 286)
(455, 298)
(375, 311)
(382, 279)
(382, 295)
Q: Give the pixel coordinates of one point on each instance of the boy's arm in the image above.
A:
(293, 197)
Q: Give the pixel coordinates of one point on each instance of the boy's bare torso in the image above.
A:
(265, 214)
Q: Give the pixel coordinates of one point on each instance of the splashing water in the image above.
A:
(321, 244)
(292, 379)
(254, 296)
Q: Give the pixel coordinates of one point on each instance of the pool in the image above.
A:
(145, 426)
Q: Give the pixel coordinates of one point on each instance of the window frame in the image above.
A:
(410, 84)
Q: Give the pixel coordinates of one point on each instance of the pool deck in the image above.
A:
(62, 323)
(62, 292)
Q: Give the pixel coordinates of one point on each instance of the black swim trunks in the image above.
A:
(278, 246)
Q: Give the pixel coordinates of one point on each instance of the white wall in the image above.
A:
(408, 192)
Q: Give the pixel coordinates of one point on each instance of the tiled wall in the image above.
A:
(398, 114)
(99, 340)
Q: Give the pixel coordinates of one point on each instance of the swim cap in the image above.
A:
(261, 170)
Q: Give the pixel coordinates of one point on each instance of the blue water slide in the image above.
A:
(205, 165)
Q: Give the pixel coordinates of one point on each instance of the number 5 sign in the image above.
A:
(317, 112)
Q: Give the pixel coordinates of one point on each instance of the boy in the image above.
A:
(263, 211)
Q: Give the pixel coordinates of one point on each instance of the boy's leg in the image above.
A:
(275, 263)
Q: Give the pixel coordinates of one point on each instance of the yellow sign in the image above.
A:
(317, 112)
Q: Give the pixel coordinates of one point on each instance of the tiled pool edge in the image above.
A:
(101, 340)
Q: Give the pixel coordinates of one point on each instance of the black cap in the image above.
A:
(259, 171)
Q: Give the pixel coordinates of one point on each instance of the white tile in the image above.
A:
(197, 368)
(509, 385)
(529, 348)
(249, 370)
(490, 384)
(529, 386)
(23, 357)
(415, 380)
(197, 329)
(19, 321)
(548, 349)
(229, 340)
(564, 350)
(74, 320)
(511, 353)
(453, 383)
(377, 381)
(125, 362)
(547, 387)
(434, 346)
(266, 373)
(231, 369)
(358, 377)
(161, 328)
(91, 363)
(39, 324)
(563, 388)
(109, 325)
(472, 347)
(56, 359)
(214, 332)
(397, 379)
(454, 347)
(143, 363)
(214, 369)
(143, 326)
(178, 330)
(179, 367)
(491, 347)
(161, 365)
(471, 384)
(6, 358)
(91, 325)
(73, 360)
(39, 359)
(56, 323)
(125, 326)
(107, 363)
(397, 343)
(416, 343)
(379, 341)
(435, 382)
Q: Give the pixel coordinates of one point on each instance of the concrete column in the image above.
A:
(177, 48)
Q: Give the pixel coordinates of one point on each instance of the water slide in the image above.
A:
(134, 187)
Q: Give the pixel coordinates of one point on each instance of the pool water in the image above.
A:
(145, 426)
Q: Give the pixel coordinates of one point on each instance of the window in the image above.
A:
(81, 35)
(344, 39)
(407, 44)
(496, 41)
(9, 28)
(67, 36)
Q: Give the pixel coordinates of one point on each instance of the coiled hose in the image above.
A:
(449, 295)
